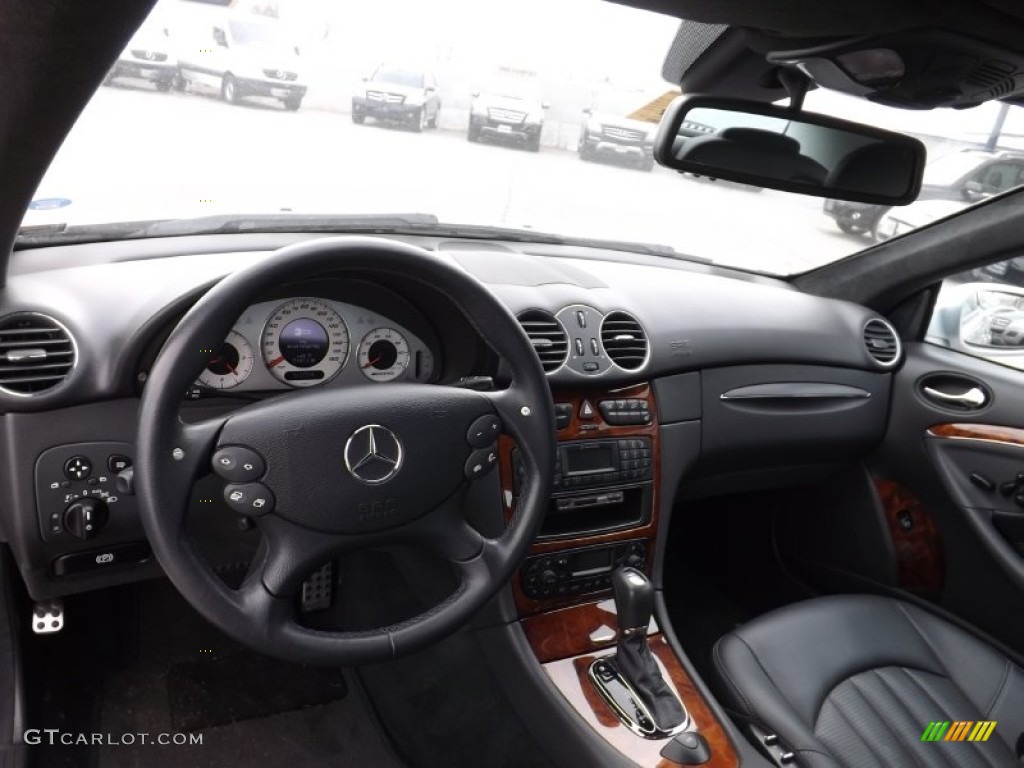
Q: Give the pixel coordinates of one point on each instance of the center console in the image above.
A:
(602, 521)
(603, 509)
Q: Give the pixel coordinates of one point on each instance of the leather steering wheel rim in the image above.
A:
(308, 428)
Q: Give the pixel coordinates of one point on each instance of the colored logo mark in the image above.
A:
(958, 730)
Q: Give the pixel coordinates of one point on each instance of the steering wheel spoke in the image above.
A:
(193, 442)
(289, 554)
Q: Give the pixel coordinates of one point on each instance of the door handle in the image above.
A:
(973, 398)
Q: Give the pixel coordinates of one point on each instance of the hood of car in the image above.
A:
(399, 88)
(611, 119)
(499, 101)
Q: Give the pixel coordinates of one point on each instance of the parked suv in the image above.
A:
(967, 177)
(510, 109)
(609, 133)
(148, 56)
(241, 55)
(399, 95)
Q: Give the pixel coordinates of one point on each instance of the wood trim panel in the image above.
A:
(990, 432)
(570, 677)
(566, 632)
(578, 429)
(919, 556)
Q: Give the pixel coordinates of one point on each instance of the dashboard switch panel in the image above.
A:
(629, 411)
(70, 476)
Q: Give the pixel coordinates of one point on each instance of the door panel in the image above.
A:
(955, 457)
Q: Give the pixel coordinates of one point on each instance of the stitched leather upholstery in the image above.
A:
(853, 682)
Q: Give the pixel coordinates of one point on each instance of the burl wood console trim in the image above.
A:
(570, 677)
(577, 429)
(919, 559)
(989, 432)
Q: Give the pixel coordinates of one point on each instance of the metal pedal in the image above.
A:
(48, 618)
(318, 589)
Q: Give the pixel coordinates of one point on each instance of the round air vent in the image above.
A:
(624, 340)
(548, 337)
(882, 342)
(36, 353)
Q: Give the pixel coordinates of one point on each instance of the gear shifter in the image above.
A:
(634, 605)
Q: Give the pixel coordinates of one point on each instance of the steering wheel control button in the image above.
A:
(253, 499)
(237, 464)
(484, 431)
(481, 462)
(77, 468)
(117, 462)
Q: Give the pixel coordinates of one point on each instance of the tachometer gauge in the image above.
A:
(384, 355)
(305, 342)
(230, 364)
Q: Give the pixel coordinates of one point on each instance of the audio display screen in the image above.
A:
(577, 460)
(591, 562)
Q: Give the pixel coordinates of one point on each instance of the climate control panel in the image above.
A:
(579, 571)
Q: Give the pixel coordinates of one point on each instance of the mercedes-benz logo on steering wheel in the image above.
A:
(373, 454)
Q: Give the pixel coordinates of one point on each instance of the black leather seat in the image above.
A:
(854, 681)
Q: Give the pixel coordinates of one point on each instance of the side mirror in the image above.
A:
(431, 89)
(475, 94)
(974, 191)
(219, 37)
(545, 105)
(588, 110)
(297, 51)
(781, 148)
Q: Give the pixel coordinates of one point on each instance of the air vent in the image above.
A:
(882, 342)
(36, 353)
(624, 340)
(549, 339)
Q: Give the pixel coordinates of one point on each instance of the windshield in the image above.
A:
(253, 34)
(399, 77)
(621, 102)
(272, 132)
(953, 167)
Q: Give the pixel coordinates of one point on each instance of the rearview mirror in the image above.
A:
(795, 151)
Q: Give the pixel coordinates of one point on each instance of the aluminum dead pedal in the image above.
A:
(48, 617)
(317, 589)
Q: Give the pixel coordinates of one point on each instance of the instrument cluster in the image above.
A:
(307, 342)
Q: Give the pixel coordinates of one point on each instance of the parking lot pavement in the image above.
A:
(140, 154)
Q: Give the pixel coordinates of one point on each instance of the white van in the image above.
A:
(148, 56)
(239, 55)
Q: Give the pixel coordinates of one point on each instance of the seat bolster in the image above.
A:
(751, 693)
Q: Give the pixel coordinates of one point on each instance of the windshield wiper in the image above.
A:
(370, 224)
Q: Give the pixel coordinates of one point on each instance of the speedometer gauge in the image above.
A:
(305, 342)
(384, 355)
(230, 364)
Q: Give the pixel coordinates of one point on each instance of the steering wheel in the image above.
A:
(329, 471)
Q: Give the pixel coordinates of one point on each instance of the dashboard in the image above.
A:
(307, 341)
(664, 369)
